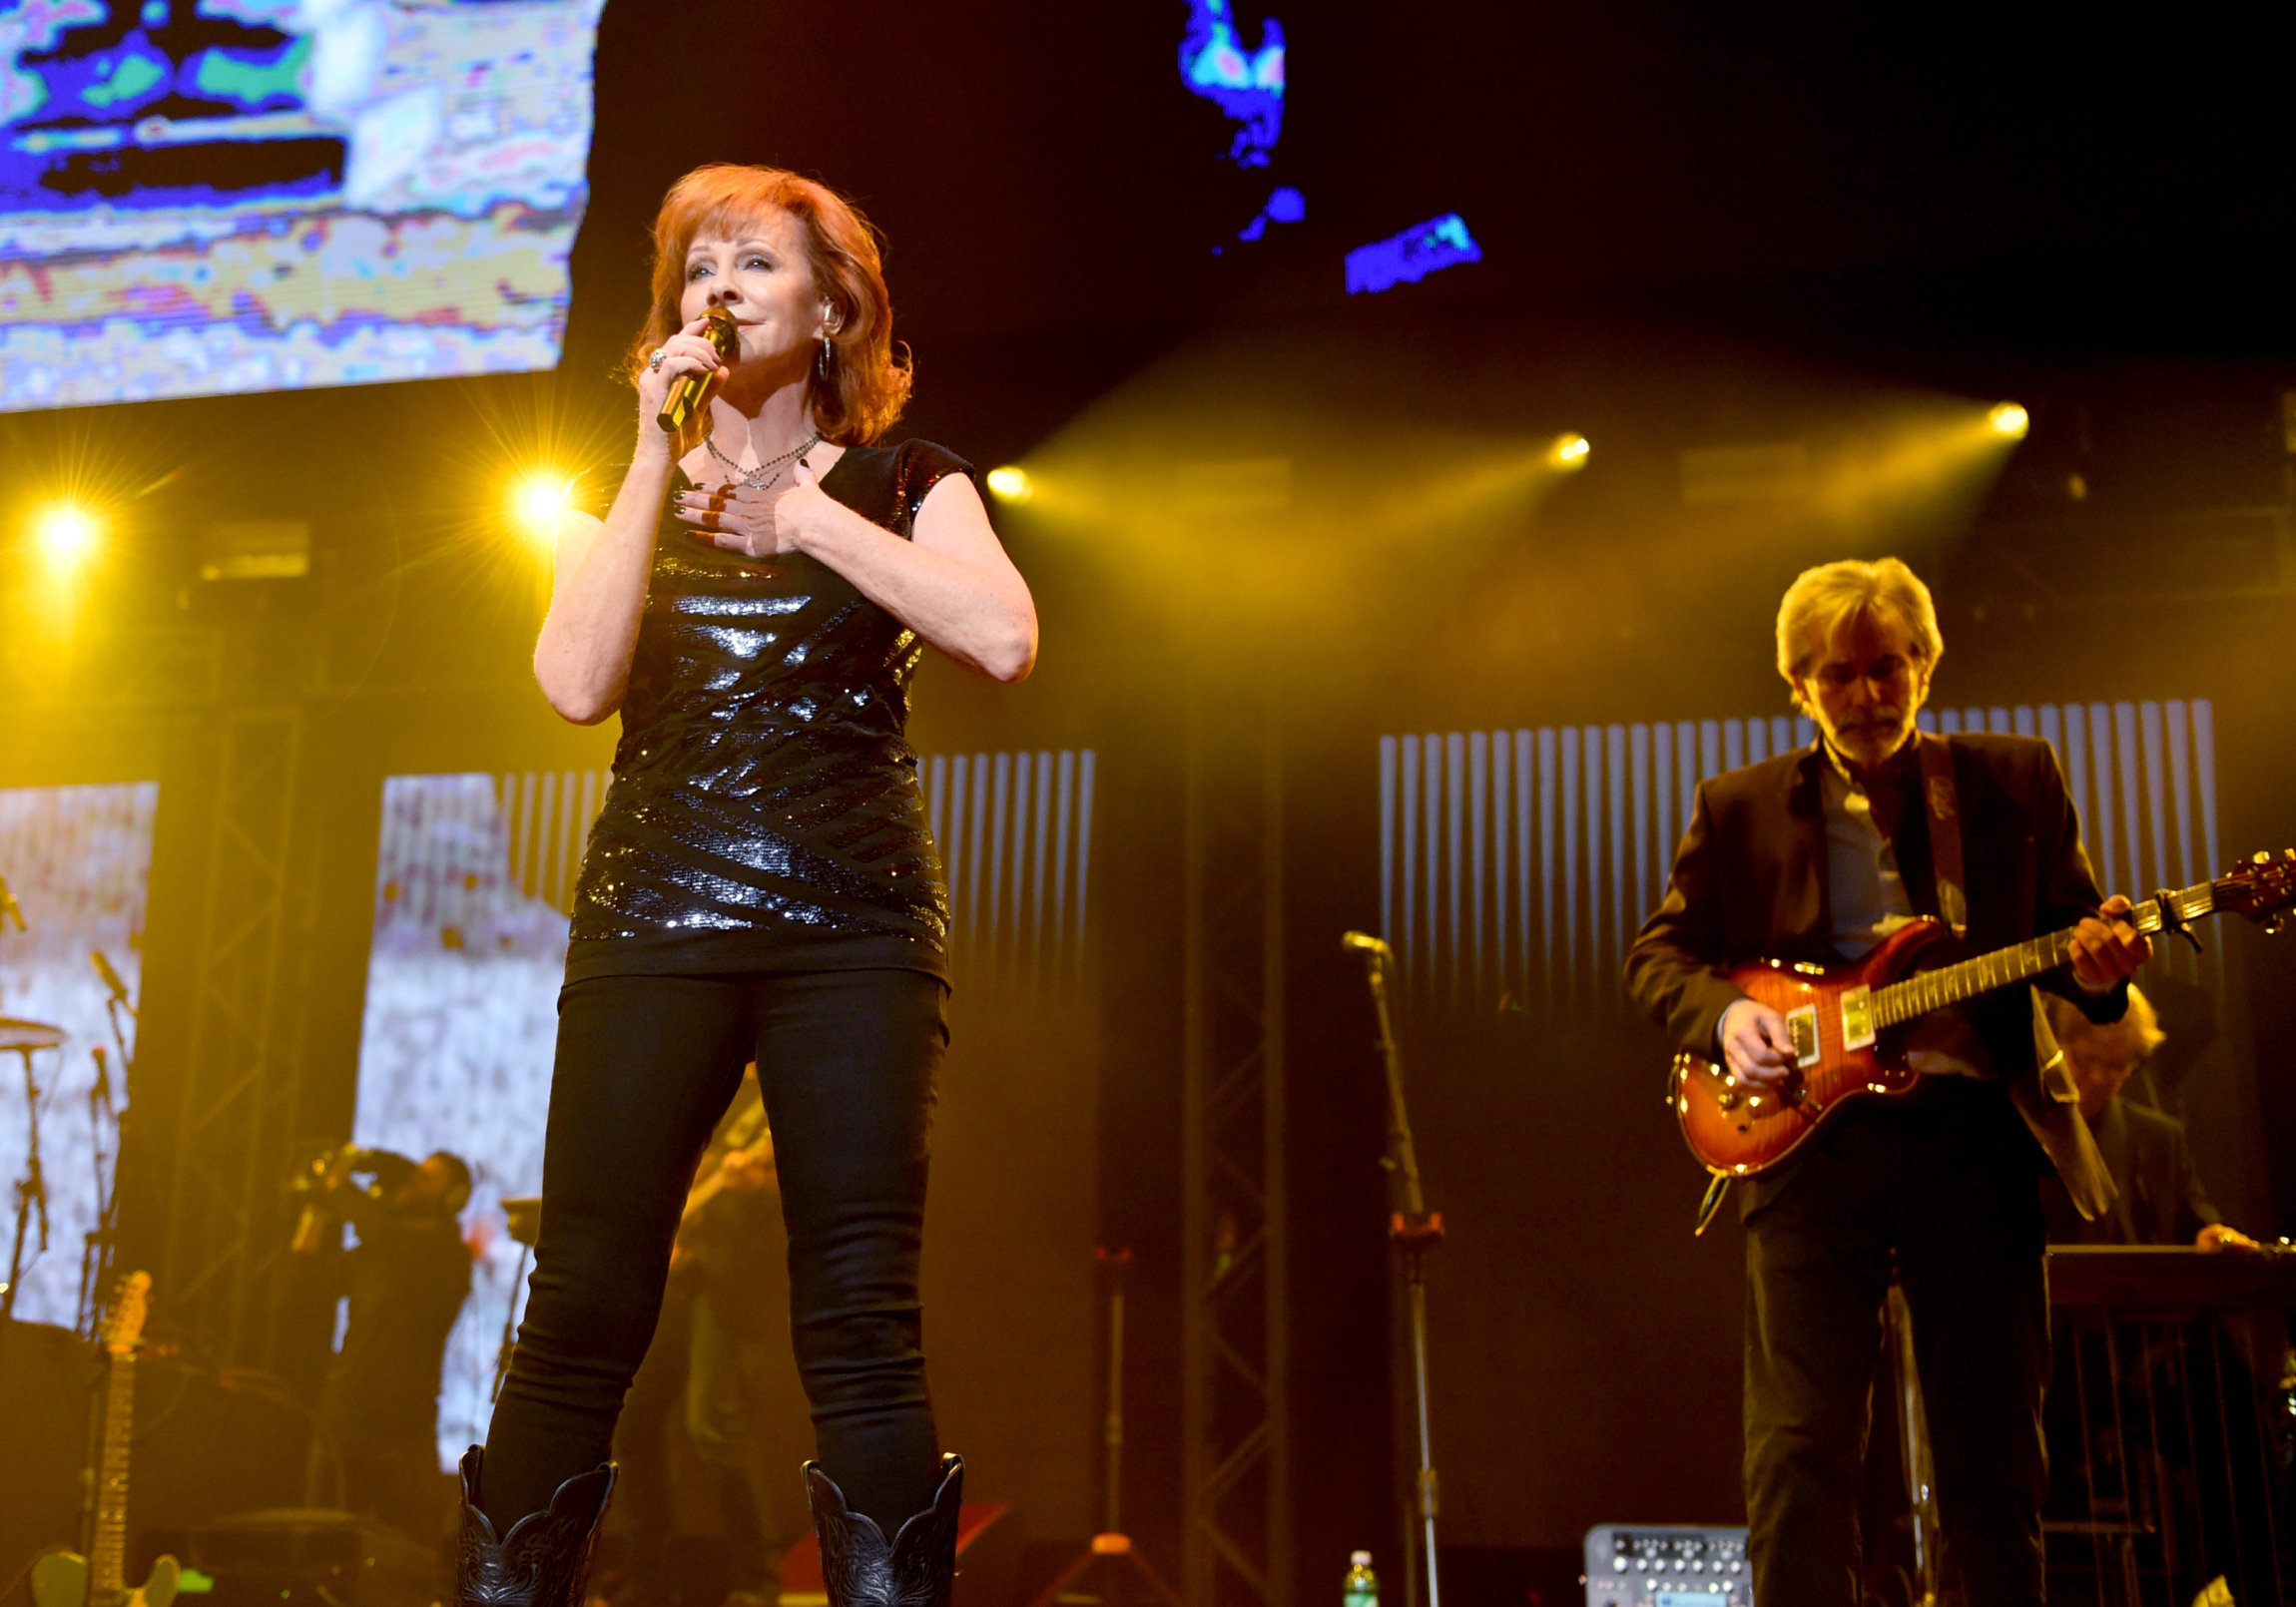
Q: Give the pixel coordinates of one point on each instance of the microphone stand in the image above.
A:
(1111, 1547)
(1414, 1231)
(509, 1344)
(31, 1192)
(94, 1253)
(96, 1260)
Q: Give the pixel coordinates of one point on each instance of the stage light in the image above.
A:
(1411, 256)
(1570, 451)
(1009, 484)
(2008, 418)
(65, 534)
(537, 501)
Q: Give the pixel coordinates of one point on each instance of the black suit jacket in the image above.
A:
(1750, 881)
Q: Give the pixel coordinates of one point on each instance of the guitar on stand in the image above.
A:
(63, 1578)
(1842, 1017)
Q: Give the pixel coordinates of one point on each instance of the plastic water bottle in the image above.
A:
(1363, 1586)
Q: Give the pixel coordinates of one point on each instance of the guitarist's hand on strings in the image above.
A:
(1757, 1043)
(2107, 948)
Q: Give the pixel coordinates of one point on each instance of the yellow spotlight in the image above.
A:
(1570, 451)
(1009, 484)
(2008, 418)
(67, 535)
(538, 500)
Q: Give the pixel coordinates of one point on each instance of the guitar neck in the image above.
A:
(108, 1549)
(2005, 967)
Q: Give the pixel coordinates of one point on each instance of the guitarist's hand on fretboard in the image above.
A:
(1833, 1022)
(2107, 948)
(1757, 1043)
(2220, 1237)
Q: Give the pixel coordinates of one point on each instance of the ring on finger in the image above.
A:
(653, 359)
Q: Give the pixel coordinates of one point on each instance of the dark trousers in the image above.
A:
(646, 1066)
(1942, 1193)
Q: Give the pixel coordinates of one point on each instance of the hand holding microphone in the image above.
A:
(693, 360)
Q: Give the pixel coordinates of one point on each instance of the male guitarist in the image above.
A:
(1816, 856)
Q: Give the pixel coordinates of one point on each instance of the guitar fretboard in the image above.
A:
(108, 1559)
(1935, 990)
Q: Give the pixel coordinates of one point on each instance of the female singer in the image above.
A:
(759, 885)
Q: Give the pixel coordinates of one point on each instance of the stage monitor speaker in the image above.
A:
(48, 1376)
(311, 1557)
(988, 1547)
(1667, 1565)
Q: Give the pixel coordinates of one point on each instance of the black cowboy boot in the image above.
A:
(545, 1557)
(860, 1570)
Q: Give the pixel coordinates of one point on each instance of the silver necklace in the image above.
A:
(759, 478)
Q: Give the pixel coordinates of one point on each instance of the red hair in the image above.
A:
(867, 382)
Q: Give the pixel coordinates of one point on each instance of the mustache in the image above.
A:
(1876, 726)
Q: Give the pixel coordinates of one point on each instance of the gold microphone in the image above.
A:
(686, 391)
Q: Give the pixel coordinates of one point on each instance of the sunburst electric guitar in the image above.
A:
(1845, 1019)
(64, 1578)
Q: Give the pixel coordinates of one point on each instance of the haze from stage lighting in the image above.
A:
(1395, 483)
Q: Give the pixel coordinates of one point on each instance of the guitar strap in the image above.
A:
(2051, 1102)
(1944, 833)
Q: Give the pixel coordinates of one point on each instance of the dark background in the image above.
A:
(1700, 229)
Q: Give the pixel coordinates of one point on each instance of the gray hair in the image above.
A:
(1820, 599)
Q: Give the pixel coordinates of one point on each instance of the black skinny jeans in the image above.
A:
(646, 1066)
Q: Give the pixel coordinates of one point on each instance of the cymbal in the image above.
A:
(16, 1034)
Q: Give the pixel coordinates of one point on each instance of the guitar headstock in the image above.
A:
(128, 1313)
(2263, 889)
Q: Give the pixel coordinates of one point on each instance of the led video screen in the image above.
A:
(471, 886)
(200, 197)
(77, 863)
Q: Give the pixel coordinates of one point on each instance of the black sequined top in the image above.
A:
(764, 813)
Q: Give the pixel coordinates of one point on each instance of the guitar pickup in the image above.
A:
(1803, 1025)
(1858, 1018)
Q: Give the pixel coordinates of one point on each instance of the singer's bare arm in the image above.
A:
(598, 580)
(952, 584)
(597, 591)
